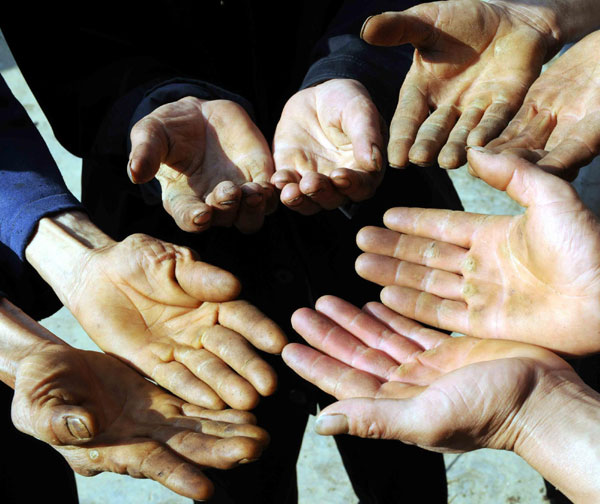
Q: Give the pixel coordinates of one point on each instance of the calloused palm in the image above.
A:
(103, 416)
(175, 319)
(211, 160)
(328, 147)
(533, 277)
(561, 112)
(473, 64)
(399, 380)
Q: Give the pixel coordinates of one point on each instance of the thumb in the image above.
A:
(55, 422)
(149, 148)
(414, 26)
(523, 181)
(401, 419)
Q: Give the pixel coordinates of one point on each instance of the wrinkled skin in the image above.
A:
(533, 277)
(176, 320)
(473, 64)
(396, 379)
(212, 162)
(103, 416)
(561, 112)
(328, 147)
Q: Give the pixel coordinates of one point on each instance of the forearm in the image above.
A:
(60, 247)
(560, 438)
(20, 336)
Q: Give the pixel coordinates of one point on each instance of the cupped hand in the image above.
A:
(328, 147)
(561, 112)
(175, 319)
(102, 416)
(399, 380)
(473, 64)
(212, 162)
(533, 277)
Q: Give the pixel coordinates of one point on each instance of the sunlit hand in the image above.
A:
(174, 318)
(561, 112)
(212, 162)
(533, 277)
(473, 64)
(103, 416)
(328, 147)
(400, 380)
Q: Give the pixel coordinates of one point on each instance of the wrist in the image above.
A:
(559, 432)
(60, 248)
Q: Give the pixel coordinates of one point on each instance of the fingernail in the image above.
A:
(376, 157)
(129, 173)
(327, 425)
(364, 25)
(314, 193)
(248, 461)
(397, 167)
(77, 428)
(200, 219)
(477, 149)
(342, 182)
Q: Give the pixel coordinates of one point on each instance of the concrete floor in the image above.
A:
(484, 476)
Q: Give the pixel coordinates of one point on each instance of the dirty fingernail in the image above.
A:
(77, 428)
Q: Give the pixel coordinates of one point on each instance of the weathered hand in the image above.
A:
(103, 416)
(533, 277)
(212, 162)
(561, 112)
(173, 318)
(473, 64)
(400, 380)
(328, 147)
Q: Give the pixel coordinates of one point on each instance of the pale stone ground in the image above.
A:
(484, 476)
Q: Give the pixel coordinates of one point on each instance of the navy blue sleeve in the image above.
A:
(341, 54)
(31, 187)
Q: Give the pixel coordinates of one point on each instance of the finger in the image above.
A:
(144, 459)
(149, 148)
(413, 249)
(327, 336)
(178, 379)
(204, 281)
(225, 200)
(414, 26)
(425, 337)
(292, 197)
(432, 135)
(534, 134)
(494, 120)
(371, 331)
(321, 191)
(453, 154)
(190, 213)
(389, 271)
(251, 213)
(524, 116)
(252, 324)
(218, 429)
(240, 356)
(427, 308)
(412, 110)
(210, 369)
(449, 226)
(523, 181)
(330, 375)
(282, 177)
(227, 415)
(355, 185)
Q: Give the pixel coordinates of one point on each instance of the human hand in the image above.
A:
(561, 112)
(212, 162)
(533, 278)
(399, 380)
(174, 318)
(473, 64)
(102, 416)
(328, 147)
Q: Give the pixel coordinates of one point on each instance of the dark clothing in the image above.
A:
(110, 70)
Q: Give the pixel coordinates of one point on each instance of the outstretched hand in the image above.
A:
(561, 112)
(399, 380)
(473, 64)
(102, 416)
(212, 162)
(176, 320)
(533, 278)
(328, 147)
